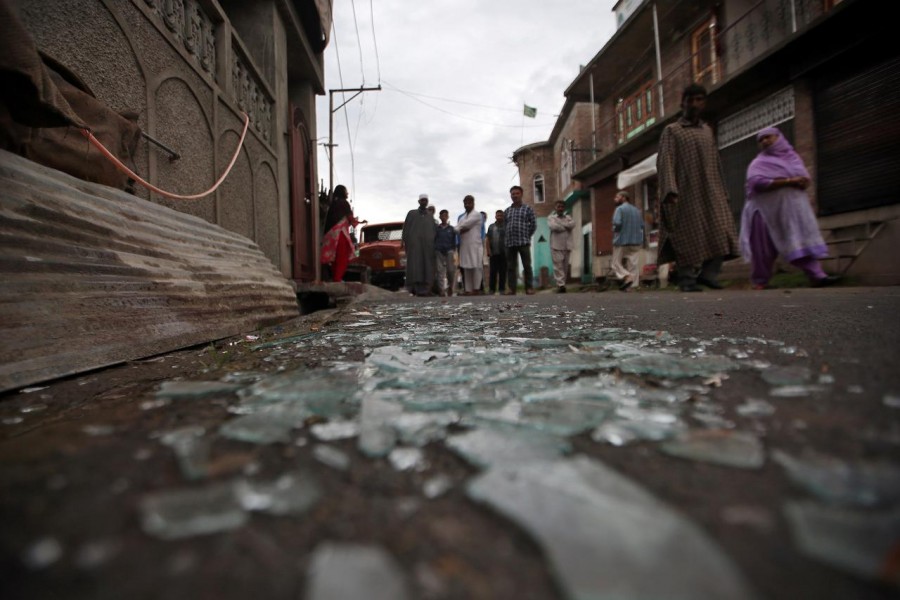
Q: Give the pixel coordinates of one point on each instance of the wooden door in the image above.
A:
(304, 203)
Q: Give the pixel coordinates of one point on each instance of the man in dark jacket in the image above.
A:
(496, 250)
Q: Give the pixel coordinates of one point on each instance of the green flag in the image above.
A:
(530, 111)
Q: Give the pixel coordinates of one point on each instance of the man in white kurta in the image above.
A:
(470, 246)
(561, 226)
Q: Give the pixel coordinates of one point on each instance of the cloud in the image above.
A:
(455, 75)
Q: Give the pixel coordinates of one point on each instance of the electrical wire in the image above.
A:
(362, 69)
(346, 118)
(458, 116)
(375, 41)
(408, 93)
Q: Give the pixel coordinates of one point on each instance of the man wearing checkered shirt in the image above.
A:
(697, 229)
(520, 226)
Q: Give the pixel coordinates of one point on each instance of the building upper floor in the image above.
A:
(661, 46)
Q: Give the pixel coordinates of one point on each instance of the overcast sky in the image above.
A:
(454, 76)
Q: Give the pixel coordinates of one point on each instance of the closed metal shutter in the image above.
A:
(858, 137)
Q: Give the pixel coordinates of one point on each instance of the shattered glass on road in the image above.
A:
(469, 380)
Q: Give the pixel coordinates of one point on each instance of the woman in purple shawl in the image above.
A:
(777, 217)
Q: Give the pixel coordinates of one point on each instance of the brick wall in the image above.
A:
(804, 131)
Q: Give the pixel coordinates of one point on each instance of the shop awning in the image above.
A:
(637, 173)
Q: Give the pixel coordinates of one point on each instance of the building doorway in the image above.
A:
(304, 203)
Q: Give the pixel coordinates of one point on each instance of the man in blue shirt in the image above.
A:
(520, 226)
(444, 245)
(628, 237)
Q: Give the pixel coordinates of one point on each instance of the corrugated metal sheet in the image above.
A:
(91, 276)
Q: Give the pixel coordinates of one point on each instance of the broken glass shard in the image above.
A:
(825, 378)
(754, 407)
(98, 430)
(191, 450)
(407, 459)
(290, 494)
(605, 536)
(718, 446)
(713, 421)
(242, 377)
(43, 552)
(154, 404)
(862, 543)
(334, 458)
(175, 514)
(557, 417)
(485, 447)
(666, 365)
(575, 394)
(437, 486)
(622, 431)
(195, 389)
(796, 391)
(258, 428)
(418, 429)
(377, 436)
(328, 394)
(786, 375)
(335, 430)
(836, 481)
(342, 570)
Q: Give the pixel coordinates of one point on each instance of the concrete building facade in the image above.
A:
(189, 69)
(545, 173)
(823, 71)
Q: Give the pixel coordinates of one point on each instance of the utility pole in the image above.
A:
(331, 111)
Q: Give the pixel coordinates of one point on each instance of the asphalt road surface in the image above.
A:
(80, 457)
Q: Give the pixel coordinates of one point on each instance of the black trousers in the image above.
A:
(497, 278)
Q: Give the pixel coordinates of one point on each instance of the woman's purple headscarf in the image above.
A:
(778, 160)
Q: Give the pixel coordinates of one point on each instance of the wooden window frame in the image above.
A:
(704, 45)
(535, 181)
(636, 112)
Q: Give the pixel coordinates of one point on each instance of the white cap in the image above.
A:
(423, 196)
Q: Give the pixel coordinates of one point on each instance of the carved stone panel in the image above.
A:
(251, 97)
(190, 26)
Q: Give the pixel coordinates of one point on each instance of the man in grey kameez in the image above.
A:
(418, 241)
(696, 226)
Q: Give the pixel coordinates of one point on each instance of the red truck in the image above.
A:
(379, 250)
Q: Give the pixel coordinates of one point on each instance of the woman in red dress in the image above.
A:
(337, 247)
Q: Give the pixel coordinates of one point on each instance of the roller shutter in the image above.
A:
(858, 137)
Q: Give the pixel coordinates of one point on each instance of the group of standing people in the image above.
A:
(430, 247)
(697, 230)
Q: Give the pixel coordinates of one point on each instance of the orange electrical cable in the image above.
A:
(121, 167)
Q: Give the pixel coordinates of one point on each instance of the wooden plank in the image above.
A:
(91, 276)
